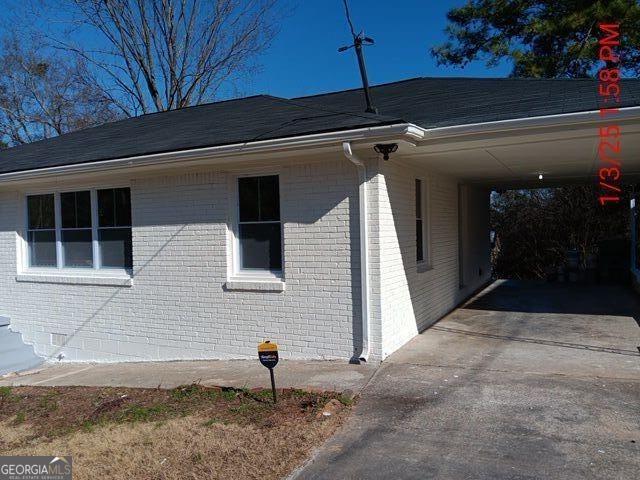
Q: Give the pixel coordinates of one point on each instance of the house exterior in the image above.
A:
(197, 233)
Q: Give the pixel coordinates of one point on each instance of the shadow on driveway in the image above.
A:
(542, 297)
(527, 381)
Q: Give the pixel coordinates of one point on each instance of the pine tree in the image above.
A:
(541, 38)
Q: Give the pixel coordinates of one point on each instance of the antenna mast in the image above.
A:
(359, 40)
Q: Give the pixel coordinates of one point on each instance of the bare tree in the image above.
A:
(43, 94)
(155, 55)
(536, 228)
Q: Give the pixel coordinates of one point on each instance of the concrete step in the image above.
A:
(10, 340)
(15, 355)
(20, 365)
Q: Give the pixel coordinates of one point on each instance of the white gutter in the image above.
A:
(364, 246)
(401, 131)
(564, 119)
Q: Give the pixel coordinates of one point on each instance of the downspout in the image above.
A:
(364, 246)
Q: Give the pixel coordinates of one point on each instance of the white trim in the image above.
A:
(22, 248)
(58, 223)
(575, 118)
(75, 187)
(406, 131)
(23, 251)
(60, 273)
(426, 263)
(235, 274)
(429, 226)
(420, 218)
(69, 277)
(256, 284)
(402, 131)
(95, 243)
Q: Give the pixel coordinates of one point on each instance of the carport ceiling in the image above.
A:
(514, 159)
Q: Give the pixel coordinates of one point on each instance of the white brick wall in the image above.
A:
(177, 307)
(412, 299)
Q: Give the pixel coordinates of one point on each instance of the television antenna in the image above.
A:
(359, 41)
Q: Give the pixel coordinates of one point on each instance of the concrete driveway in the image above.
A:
(528, 381)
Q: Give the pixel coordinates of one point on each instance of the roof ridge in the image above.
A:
(365, 115)
(457, 78)
(412, 79)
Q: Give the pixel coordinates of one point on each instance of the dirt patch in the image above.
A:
(186, 432)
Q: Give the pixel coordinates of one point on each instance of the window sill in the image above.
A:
(255, 284)
(424, 267)
(115, 279)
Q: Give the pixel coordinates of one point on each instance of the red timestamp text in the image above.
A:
(609, 147)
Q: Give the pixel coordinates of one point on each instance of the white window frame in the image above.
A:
(24, 261)
(24, 258)
(235, 272)
(425, 204)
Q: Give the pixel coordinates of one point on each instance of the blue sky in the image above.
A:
(304, 58)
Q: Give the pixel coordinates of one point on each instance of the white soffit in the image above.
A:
(518, 156)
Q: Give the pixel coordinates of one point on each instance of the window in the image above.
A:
(89, 229)
(114, 228)
(77, 241)
(41, 230)
(419, 223)
(259, 227)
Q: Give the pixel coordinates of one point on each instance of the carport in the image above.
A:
(526, 380)
(535, 152)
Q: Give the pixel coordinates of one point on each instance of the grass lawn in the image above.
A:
(190, 432)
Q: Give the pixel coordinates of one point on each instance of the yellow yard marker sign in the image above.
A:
(268, 355)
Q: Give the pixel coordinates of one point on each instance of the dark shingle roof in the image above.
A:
(427, 102)
(440, 102)
(222, 123)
